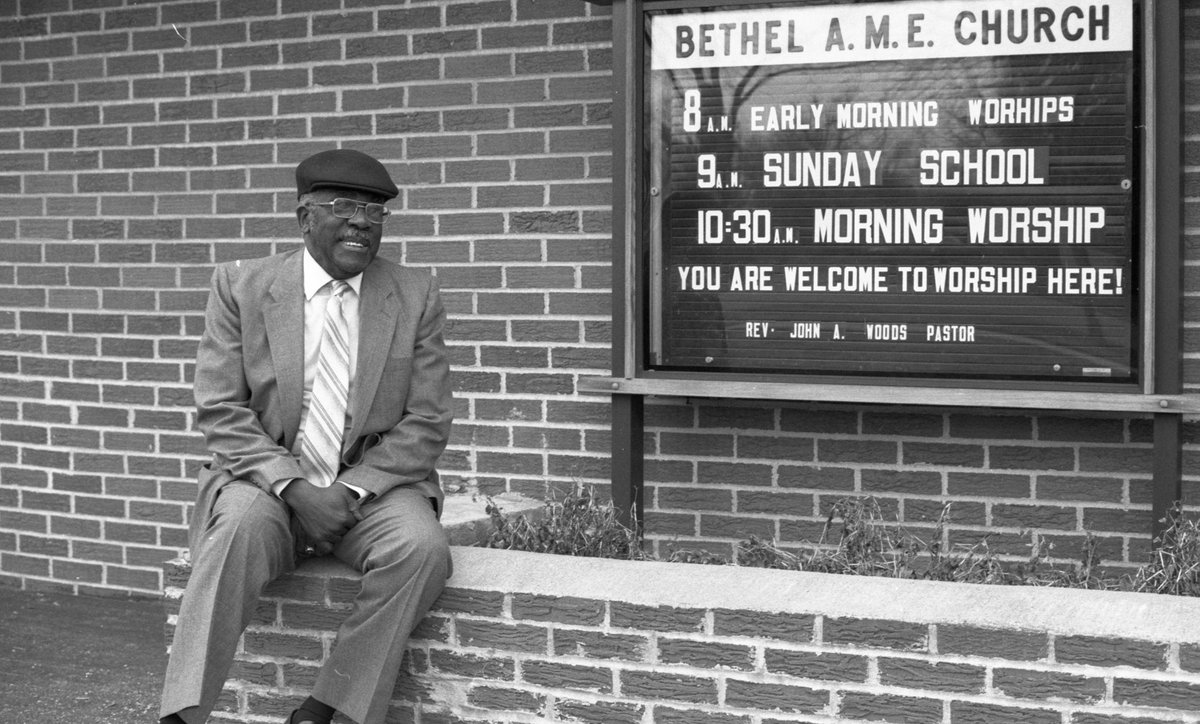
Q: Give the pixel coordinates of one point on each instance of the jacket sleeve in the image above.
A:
(225, 406)
(407, 453)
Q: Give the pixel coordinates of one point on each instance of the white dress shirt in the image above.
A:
(317, 291)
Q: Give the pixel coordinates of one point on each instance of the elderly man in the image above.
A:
(322, 388)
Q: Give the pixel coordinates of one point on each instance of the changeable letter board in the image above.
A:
(908, 189)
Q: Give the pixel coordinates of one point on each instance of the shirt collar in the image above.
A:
(315, 277)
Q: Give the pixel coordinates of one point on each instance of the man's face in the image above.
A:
(343, 247)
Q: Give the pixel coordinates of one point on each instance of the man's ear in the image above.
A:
(304, 217)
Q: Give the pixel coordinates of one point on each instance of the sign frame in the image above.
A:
(1160, 397)
(1158, 299)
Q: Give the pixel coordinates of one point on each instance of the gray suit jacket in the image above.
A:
(249, 380)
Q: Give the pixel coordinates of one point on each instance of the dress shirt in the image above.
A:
(317, 291)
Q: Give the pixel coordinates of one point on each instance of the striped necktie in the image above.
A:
(320, 453)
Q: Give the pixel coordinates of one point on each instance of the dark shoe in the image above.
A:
(296, 718)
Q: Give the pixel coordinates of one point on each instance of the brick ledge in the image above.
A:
(1142, 616)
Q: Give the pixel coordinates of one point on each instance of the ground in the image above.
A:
(67, 659)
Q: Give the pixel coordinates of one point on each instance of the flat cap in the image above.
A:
(346, 169)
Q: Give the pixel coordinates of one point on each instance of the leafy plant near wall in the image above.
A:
(857, 540)
(1174, 566)
(577, 525)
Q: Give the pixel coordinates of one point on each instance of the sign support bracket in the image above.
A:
(1164, 33)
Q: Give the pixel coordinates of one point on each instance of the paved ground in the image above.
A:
(84, 659)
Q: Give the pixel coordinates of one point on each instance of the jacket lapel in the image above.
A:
(283, 315)
(378, 308)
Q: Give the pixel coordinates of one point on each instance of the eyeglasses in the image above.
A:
(347, 208)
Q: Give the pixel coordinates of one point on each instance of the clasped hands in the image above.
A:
(323, 515)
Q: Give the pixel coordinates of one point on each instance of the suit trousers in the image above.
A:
(399, 547)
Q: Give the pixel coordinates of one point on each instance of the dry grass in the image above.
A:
(578, 525)
(1174, 565)
(857, 540)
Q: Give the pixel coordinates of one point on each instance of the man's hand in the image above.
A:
(323, 514)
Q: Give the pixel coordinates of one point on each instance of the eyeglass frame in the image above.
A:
(357, 205)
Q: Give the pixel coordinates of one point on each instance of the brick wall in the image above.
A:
(720, 473)
(141, 142)
(520, 637)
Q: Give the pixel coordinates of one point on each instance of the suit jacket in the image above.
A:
(249, 380)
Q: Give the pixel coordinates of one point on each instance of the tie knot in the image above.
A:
(339, 287)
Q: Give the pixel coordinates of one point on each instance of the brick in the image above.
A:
(990, 485)
(571, 676)
(1123, 459)
(133, 579)
(1122, 718)
(410, 18)
(1189, 657)
(505, 637)
(493, 698)
(598, 30)
(976, 713)
(689, 443)
(936, 675)
(913, 482)
(745, 694)
(740, 527)
(670, 687)
(478, 12)
(600, 645)
(558, 609)
(527, 142)
(101, 552)
(42, 546)
(889, 707)
(691, 498)
(306, 616)
(774, 447)
(857, 451)
(705, 654)
(1066, 429)
(1048, 685)
(665, 715)
(784, 627)
(934, 453)
(24, 565)
(1110, 519)
(1035, 516)
(1006, 457)
(1008, 427)
(76, 571)
(600, 712)
(260, 673)
(287, 645)
(656, 618)
(1097, 651)
(1084, 488)
(828, 666)
(875, 633)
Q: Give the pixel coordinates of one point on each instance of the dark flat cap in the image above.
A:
(345, 169)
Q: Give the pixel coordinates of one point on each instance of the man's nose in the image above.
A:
(360, 218)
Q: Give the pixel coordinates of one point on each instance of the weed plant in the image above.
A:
(857, 540)
(578, 525)
(1174, 565)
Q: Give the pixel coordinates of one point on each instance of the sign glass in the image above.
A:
(904, 189)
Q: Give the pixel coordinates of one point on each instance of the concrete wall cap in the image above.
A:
(1068, 612)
